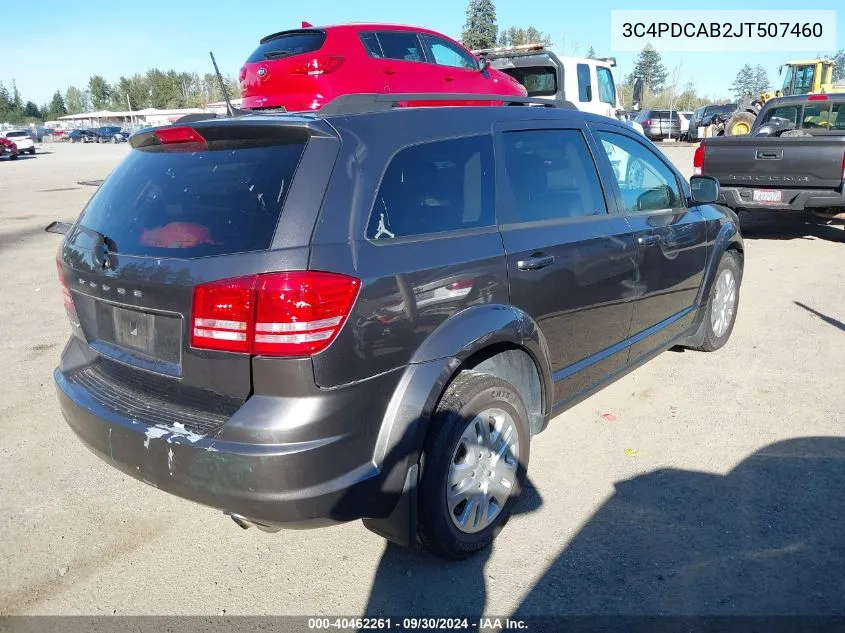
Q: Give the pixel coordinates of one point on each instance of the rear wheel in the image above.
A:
(473, 465)
(722, 303)
(32, 151)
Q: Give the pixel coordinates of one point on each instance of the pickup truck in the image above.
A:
(792, 162)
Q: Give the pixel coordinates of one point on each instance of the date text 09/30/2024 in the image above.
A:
(489, 624)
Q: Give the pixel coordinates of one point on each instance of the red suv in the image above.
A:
(304, 69)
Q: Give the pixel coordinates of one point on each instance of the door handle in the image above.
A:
(648, 240)
(536, 262)
(449, 78)
(769, 155)
(389, 71)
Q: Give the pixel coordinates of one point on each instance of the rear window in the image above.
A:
(16, 134)
(585, 88)
(287, 44)
(436, 187)
(194, 204)
(539, 81)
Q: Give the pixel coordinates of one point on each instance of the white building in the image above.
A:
(138, 118)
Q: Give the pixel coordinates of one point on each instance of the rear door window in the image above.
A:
(401, 45)
(585, 88)
(551, 175)
(436, 187)
(288, 44)
(837, 117)
(194, 204)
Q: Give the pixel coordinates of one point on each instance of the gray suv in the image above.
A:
(368, 312)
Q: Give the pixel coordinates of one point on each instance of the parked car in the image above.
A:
(702, 117)
(792, 162)
(111, 134)
(81, 136)
(253, 331)
(660, 124)
(23, 140)
(8, 148)
(304, 69)
(685, 118)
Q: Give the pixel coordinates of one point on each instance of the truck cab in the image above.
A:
(586, 83)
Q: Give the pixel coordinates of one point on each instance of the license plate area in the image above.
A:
(767, 196)
(154, 339)
(134, 330)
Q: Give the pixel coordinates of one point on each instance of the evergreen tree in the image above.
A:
(839, 65)
(591, 53)
(481, 29)
(518, 36)
(99, 90)
(761, 80)
(57, 106)
(744, 82)
(650, 67)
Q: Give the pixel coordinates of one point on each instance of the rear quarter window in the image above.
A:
(194, 204)
(287, 44)
(435, 187)
(539, 81)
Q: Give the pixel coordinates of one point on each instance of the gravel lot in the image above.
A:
(714, 487)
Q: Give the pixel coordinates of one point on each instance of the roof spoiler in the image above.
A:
(381, 102)
(608, 60)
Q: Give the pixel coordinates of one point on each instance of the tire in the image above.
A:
(32, 151)
(740, 124)
(470, 395)
(13, 157)
(719, 323)
(114, 140)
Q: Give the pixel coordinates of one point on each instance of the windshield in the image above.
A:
(194, 204)
(539, 81)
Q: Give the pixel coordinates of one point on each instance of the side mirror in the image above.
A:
(638, 92)
(483, 64)
(704, 189)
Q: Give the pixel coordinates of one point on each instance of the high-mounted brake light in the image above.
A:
(178, 134)
(817, 98)
(275, 314)
(317, 66)
(843, 167)
(698, 161)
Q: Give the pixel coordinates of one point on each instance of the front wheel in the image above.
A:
(32, 151)
(473, 465)
(722, 304)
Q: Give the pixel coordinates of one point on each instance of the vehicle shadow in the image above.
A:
(781, 228)
(829, 320)
(764, 539)
(411, 581)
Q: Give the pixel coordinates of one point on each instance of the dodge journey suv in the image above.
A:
(369, 313)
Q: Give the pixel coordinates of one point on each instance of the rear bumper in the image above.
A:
(793, 199)
(327, 478)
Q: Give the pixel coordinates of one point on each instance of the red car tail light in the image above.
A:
(698, 161)
(817, 98)
(461, 285)
(317, 66)
(648, 123)
(843, 167)
(242, 75)
(276, 314)
(66, 296)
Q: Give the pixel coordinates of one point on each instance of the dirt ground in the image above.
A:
(699, 484)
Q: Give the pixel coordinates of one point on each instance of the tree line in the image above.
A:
(153, 89)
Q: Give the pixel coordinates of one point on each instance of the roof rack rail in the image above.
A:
(381, 102)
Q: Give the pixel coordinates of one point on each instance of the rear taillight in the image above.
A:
(648, 122)
(317, 66)
(698, 161)
(275, 314)
(464, 284)
(68, 300)
(843, 167)
(242, 75)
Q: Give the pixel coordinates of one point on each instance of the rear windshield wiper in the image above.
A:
(277, 54)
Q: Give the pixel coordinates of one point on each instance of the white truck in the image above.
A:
(585, 82)
(23, 139)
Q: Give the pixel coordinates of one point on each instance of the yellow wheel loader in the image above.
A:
(802, 77)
